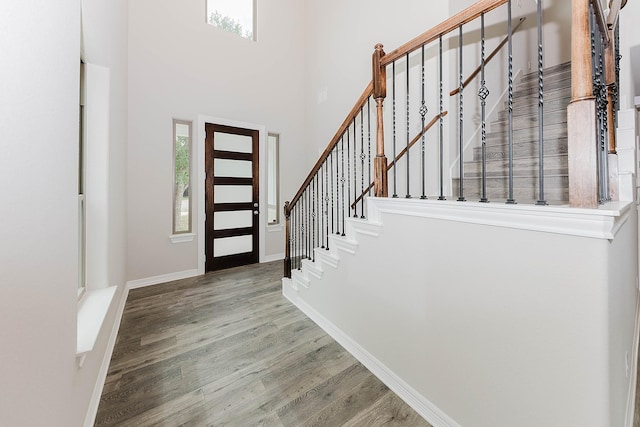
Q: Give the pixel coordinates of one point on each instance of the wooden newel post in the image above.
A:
(581, 113)
(380, 186)
(287, 244)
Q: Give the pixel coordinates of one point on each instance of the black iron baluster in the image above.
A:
(334, 217)
(483, 93)
(395, 169)
(369, 143)
(355, 171)
(423, 112)
(348, 176)
(292, 236)
(309, 226)
(510, 199)
(362, 157)
(299, 231)
(408, 196)
(321, 176)
(461, 117)
(342, 179)
(616, 86)
(313, 217)
(596, 42)
(441, 197)
(604, 131)
(304, 223)
(326, 201)
(541, 200)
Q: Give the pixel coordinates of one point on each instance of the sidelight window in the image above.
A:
(273, 201)
(181, 176)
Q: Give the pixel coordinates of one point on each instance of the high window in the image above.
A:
(235, 16)
(181, 176)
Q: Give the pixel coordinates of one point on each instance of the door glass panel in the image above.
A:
(231, 142)
(232, 193)
(232, 245)
(234, 219)
(235, 168)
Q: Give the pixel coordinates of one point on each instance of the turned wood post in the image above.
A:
(581, 114)
(287, 245)
(379, 93)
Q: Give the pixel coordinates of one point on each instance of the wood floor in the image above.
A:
(226, 349)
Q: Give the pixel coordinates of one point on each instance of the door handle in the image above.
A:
(256, 212)
(255, 205)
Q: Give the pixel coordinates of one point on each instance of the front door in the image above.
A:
(231, 196)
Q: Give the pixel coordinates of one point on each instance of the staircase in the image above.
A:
(557, 93)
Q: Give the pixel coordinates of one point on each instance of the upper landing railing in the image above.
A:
(354, 164)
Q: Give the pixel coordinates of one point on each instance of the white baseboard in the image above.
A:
(273, 257)
(631, 394)
(92, 412)
(149, 281)
(419, 403)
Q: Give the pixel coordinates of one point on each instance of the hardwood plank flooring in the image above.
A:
(227, 349)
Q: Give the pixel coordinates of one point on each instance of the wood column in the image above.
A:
(380, 185)
(581, 114)
(287, 244)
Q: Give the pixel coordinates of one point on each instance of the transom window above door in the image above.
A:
(235, 16)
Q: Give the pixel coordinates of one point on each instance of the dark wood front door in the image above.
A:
(232, 190)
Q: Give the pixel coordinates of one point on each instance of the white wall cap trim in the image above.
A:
(601, 223)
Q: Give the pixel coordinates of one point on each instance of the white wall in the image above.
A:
(180, 67)
(487, 321)
(340, 39)
(40, 85)
(42, 384)
(630, 51)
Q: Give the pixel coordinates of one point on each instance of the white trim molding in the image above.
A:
(419, 403)
(601, 223)
(163, 278)
(92, 412)
(273, 257)
(182, 238)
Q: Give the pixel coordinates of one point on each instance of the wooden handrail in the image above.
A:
(460, 18)
(403, 152)
(325, 154)
(486, 61)
(601, 21)
(614, 10)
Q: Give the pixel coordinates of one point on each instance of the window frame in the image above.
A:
(276, 185)
(174, 230)
(254, 21)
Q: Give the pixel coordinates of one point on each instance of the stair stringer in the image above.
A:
(330, 257)
(305, 278)
(438, 336)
